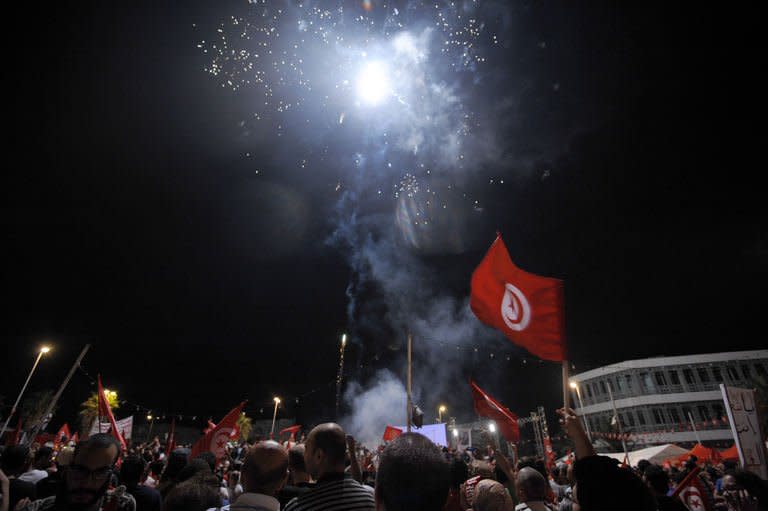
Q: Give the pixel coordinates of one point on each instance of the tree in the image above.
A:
(245, 425)
(34, 406)
(89, 409)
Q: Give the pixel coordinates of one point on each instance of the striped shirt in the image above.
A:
(335, 492)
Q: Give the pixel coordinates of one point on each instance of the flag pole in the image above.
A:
(408, 389)
(565, 385)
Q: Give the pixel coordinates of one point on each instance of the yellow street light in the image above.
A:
(573, 385)
(274, 417)
(149, 417)
(45, 349)
(440, 412)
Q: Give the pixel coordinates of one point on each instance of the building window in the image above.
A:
(618, 384)
(688, 375)
(745, 371)
(631, 419)
(661, 381)
(717, 374)
(628, 380)
(602, 387)
(687, 413)
(646, 383)
(640, 417)
(658, 416)
(719, 410)
(674, 378)
(733, 374)
(704, 412)
(674, 415)
(703, 374)
(760, 370)
(589, 389)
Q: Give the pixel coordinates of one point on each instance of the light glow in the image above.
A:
(492, 427)
(373, 85)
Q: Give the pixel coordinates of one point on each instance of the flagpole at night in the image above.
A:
(408, 405)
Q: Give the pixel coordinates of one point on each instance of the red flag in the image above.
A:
(391, 432)
(527, 308)
(290, 429)
(106, 411)
(215, 440)
(211, 426)
(75, 438)
(486, 406)
(170, 443)
(692, 492)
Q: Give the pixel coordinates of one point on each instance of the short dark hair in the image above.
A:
(198, 494)
(657, 479)
(333, 444)
(601, 483)
(459, 472)
(533, 462)
(43, 453)
(15, 458)
(413, 475)
(209, 458)
(131, 470)
(296, 458)
(99, 441)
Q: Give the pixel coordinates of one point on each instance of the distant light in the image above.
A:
(373, 83)
(456, 433)
(344, 339)
(442, 408)
(276, 400)
(45, 349)
(492, 427)
(573, 385)
(149, 417)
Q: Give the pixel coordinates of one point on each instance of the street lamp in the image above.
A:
(274, 417)
(575, 387)
(43, 350)
(440, 412)
(492, 427)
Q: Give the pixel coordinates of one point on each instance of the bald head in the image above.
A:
(491, 495)
(531, 485)
(265, 468)
(325, 449)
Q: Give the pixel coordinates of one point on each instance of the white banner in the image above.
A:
(124, 427)
(741, 405)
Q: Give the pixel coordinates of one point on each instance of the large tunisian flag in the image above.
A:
(215, 439)
(692, 492)
(486, 406)
(106, 411)
(526, 307)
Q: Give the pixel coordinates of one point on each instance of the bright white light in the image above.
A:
(492, 427)
(456, 433)
(373, 83)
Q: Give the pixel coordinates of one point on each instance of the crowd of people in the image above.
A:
(328, 471)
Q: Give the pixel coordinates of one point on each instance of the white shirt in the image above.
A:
(33, 476)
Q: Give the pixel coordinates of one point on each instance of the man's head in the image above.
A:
(296, 464)
(43, 458)
(265, 469)
(88, 476)
(656, 479)
(491, 496)
(413, 475)
(209, 458)
(531, 485)
(325, 450)
(15, 460)
(131, 471)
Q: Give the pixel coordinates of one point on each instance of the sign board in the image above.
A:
(435, 432)
(124, 426)
(741, 405)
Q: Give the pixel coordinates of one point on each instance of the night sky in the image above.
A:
(205, 243)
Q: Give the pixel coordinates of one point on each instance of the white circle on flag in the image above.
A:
(515, 310)
(693, 499)
(219, 442)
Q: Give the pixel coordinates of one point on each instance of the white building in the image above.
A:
(656, 395)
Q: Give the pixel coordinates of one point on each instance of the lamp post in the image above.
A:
(274, 417)
(575, 387)
(151, 420)
(440, 412)
(340, 375)
(43, 350)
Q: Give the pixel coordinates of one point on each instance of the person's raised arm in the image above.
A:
(575, 431)
(354, 466)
